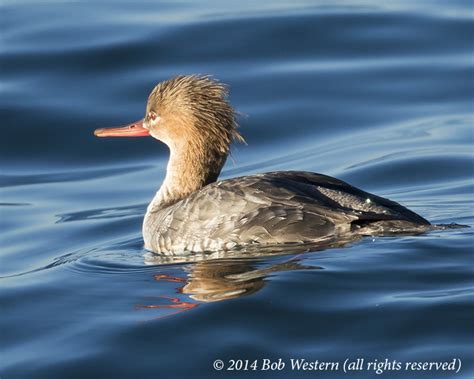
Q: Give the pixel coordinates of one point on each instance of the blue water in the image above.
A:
(379, 95)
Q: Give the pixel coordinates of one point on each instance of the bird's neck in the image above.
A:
(191, 167)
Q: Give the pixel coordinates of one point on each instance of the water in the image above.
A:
(378, 95)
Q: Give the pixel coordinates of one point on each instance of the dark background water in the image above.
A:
(380, 95)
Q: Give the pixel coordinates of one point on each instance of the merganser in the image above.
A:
(193, 212)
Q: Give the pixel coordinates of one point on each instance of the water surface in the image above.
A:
(378, 95)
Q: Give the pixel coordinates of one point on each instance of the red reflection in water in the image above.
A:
(168, 278)
(174, 302)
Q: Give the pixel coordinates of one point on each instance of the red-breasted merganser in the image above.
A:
(193, 212)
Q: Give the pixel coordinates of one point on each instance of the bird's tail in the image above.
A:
(401, 227)
(447, 226)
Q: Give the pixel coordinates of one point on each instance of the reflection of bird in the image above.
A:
(193, 213)
(216, 280)
(211, 281)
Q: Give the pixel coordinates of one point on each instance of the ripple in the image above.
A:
(122, 256)
(415, 296)
(14, 204)
(412, 170)
(103, 213)
(70, 176)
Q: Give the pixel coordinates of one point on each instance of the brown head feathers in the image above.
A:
(199, 104)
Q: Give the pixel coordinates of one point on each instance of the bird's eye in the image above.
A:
(152, 116)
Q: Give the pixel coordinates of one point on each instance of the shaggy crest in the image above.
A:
(205, 100)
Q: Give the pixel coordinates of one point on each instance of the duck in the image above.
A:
(194, 212)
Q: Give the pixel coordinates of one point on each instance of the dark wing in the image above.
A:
(336, 194)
